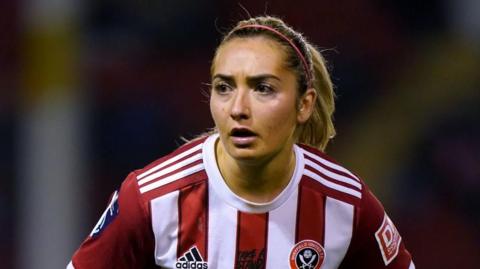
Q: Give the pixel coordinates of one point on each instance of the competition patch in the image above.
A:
(108, 216)
(307, 254)
(388, 240)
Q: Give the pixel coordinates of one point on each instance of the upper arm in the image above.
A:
(122, 237)
(376, 242)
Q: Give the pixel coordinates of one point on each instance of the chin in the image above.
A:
(242, 153)
(251, 156)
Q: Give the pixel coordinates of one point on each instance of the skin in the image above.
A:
(253, 90)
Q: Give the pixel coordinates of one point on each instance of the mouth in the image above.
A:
(242, 137)
(242, 132)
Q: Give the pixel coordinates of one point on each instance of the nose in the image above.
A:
(240, 109)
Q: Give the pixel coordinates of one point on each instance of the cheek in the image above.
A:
(217, 111)
(213, 112)
(281, 119)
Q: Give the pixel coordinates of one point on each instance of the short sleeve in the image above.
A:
(122, 238)
(376, 242)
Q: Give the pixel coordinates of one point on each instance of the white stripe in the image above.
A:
(70, 265)
(165, 228)
(412, 266)
(329, 163)
(166, 180)
(170, 169)
(331, 184)
(338, 231)
(281, 233)
(169, 161)
(333, 175)
(222, 232)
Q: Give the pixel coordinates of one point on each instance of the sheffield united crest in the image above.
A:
(307, 254)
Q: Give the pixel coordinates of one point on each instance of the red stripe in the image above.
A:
(252, 232)
(193, 219)
(310, 213)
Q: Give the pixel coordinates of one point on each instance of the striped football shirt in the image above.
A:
(178, 212)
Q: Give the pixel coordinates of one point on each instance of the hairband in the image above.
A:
(299, 53)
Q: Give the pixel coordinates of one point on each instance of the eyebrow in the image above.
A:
(259, 77)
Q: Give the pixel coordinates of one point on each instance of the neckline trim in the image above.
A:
(218, 184)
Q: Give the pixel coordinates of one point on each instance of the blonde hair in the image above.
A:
(319, 128)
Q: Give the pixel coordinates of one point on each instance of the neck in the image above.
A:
(257, 181)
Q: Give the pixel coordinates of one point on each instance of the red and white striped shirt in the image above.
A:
(179, 213)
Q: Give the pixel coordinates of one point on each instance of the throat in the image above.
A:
(260, 183)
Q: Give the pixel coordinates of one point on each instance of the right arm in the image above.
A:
(122, 238)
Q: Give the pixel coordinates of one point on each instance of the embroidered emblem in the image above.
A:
(307, 254)
(107, 217)
(388, 240)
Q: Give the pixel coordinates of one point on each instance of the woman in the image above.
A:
(258, 192)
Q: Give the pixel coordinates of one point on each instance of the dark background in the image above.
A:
(90, 90)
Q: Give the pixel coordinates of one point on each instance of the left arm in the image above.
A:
(376, 242)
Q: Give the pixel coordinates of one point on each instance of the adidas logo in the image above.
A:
(191, 260)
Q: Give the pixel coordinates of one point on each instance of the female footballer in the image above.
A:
(258, 191)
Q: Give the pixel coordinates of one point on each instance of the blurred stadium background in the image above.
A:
(90, 90)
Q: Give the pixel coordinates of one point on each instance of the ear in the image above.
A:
(306, 105)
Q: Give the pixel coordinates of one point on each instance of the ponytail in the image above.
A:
(319, 128)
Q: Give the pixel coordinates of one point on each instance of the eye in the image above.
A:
(264, 88)
(222, 88)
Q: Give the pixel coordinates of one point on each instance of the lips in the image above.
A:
(242, 132)
(242, 137)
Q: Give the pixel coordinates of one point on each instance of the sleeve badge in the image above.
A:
(108, 216)
(388, 240)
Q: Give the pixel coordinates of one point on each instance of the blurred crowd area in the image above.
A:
(91, 90)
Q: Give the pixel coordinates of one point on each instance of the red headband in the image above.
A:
(299, 53)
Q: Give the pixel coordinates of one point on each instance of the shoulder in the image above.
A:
(331, 178)
(184, 166)
(339, 183)
(370, 223)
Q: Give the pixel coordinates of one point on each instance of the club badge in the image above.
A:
(307, 254)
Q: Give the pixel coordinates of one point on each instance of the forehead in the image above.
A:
(249, 54)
